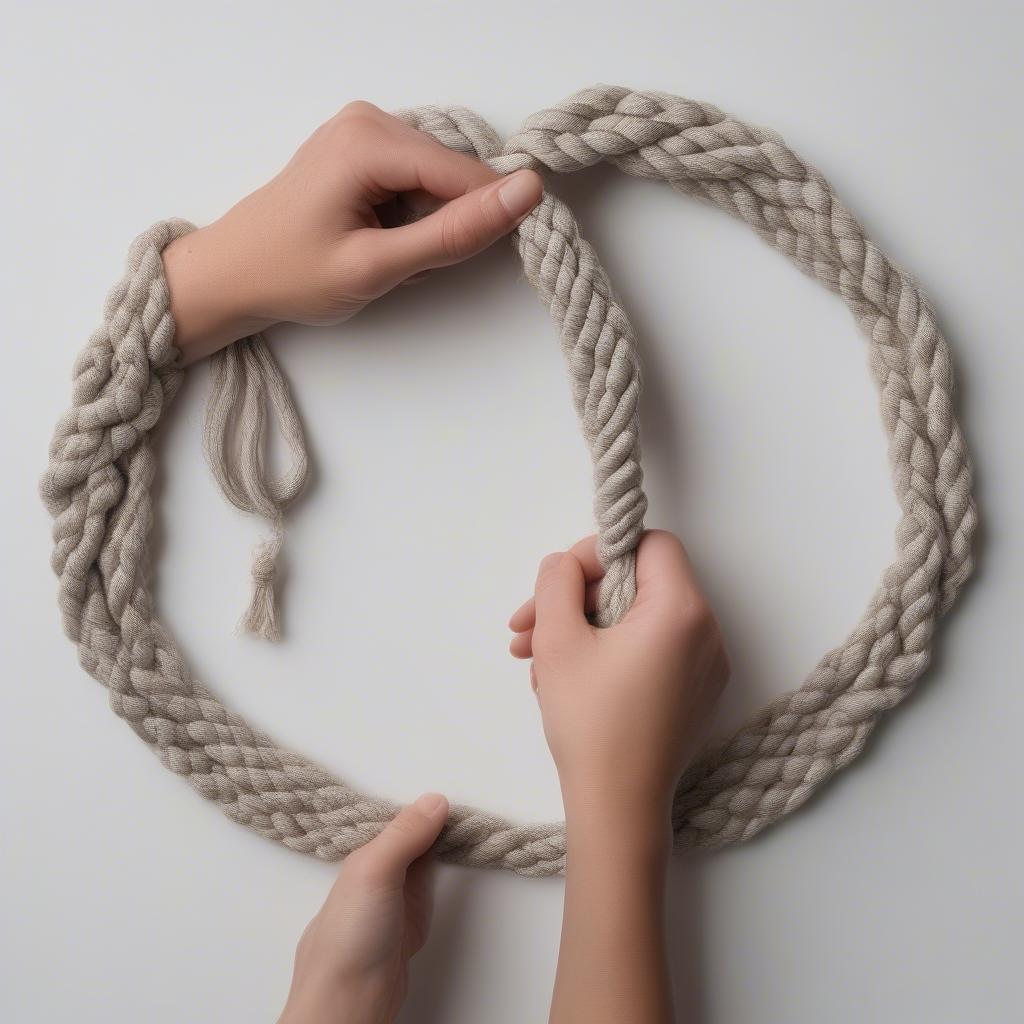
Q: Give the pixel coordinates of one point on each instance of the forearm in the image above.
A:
(612, 963)
(354, 1004)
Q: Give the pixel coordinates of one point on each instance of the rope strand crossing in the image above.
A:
(98, 485)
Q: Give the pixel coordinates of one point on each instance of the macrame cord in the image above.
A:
(97, 485)
(246, 380)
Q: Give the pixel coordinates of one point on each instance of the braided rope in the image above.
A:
(97, 486)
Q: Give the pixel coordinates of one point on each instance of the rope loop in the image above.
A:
(247, 386)
(97, 485)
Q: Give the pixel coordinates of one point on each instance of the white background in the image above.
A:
(448, 462)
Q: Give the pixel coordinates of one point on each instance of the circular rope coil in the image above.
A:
(97, 485)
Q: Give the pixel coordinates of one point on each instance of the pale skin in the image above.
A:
(620, 707)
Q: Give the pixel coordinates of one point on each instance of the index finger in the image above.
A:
(399, 158)
(585, 551)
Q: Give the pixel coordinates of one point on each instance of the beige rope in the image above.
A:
(97, 486)
(234, 435)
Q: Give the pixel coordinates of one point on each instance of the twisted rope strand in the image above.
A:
(97, 485)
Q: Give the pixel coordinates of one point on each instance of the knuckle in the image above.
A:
(358, 121)
(548, 568)
(357, 110)
(698, 615)
(661, 540)
(693, 621)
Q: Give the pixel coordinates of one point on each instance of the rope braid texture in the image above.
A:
(97, 486)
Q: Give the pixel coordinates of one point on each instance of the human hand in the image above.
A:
(315, 244)
(622, 706)
(351, 962)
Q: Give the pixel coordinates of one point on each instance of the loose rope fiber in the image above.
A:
(98, 485)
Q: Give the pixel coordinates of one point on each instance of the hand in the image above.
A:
(351, 962)
(315, 244)
(621, 709)
(622, 706)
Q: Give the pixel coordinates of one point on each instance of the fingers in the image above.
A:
(524, 619)
(585, 551)
(525, 616)
(522, 644)
(460, 229)
(383, 157)
(390, 156)
(558, 598)
(384, 860)
(663, 571)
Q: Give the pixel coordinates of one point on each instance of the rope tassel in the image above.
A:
(247, 384)
(260, 617)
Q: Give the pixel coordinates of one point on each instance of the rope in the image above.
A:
(98, 485)
(234, 432)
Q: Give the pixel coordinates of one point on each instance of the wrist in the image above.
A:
(354, 1002)
(209, 284)
(625, 821)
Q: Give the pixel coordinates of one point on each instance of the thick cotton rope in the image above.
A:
(98, 485)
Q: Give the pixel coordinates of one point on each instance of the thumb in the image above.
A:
(459, 229)
(409, 835)
(560, 595)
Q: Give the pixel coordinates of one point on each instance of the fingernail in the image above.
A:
(519, 193)
(430, 804)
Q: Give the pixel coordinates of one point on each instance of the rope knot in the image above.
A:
(261, 616)
(263, 572)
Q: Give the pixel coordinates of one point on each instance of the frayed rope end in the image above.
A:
(260, 617)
